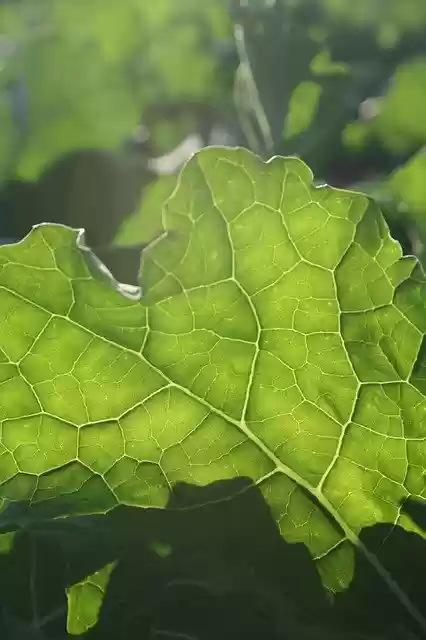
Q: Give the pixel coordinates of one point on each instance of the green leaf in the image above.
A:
(303, 107)
(322, 64)
(143, 225)
(407, 186)
(399, 123)
(85, 600)
(6, 542)
(97, 68)
(279, 337)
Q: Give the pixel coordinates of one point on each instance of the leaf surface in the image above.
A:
(279, 337)
(85, 600)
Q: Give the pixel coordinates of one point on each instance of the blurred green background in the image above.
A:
(101, 102)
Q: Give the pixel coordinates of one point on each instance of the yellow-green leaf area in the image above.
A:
(85, 600)
(278, 336)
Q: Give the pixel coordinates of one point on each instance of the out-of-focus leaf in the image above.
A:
(92, 69)
(400, 15)
(408, 187)
(351, 52)
(303, 106)
(322, 64)
(144, 224)
(85, 600)
(400, 122)
(6, 542)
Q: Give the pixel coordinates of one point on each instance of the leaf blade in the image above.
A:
(246, 356)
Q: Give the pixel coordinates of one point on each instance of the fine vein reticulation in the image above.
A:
(279, 337)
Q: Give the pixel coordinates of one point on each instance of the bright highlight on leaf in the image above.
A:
(279, 337)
